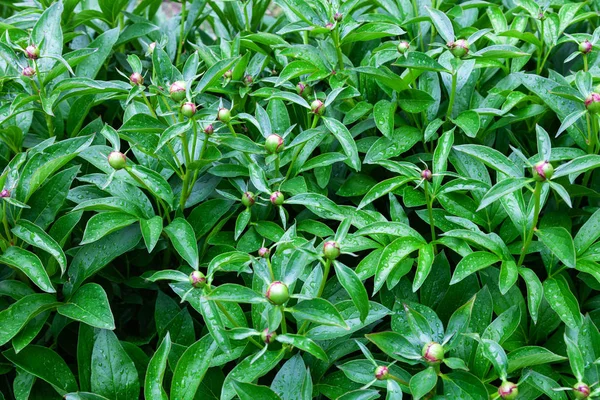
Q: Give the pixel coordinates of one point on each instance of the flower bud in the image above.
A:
(303, 89)
(117, 160)
(382, 373)
(136, 78)
(331, 250)
(317, 107)
(32, 52)
(508, 391)
(197, 279)
(433, 352)
(337, 17)
(228, 74)
(209, 130)
(459, 48)
(329, 25)
(403, 47)
(278, 293)
(581, 391)
(151, 48)
(5, 193)
(542, 170)
(274, 143)
(263, 252)
(177, 90)
(426, 174)
(188, 109)
(585, 47)
(248, 80)
(224, 115)
(28, 72)
(277, 198)
(248, 199)
(268, 337)
(592, 103)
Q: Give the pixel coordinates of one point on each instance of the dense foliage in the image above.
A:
(309, 199)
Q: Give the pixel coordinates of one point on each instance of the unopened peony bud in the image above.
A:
(197, 279)
(403, 47)
(248, 80)
(248, 199)
(277, 198)
(263, 252)
(581, 391)
(117, 160)
(508, 391)
(433, 352)
(224, 115)
(177, 90)
(317, 107)
(274, 143)
(426, 174)
(28, 72)
(268, 337)
(188, 109)
(136, 78)
(592, 103)
(303, 89)
(209, 130)
(278, 293)
(32, 52)
(331, 250)
(228, 74)
(585, 47)
(382, 373)
(337, 17)
(459, 48)
(5, 193)
(542, 171)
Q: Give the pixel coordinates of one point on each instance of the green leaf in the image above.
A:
(89, 305)
(535, 291)
(560, 243)
(353, 285)
(153, 384)
(151, 230)
(529, 356)
(383, 113)
(235, 293)
(303, 343)
(15, 317)
(490, 157)
(319, 311)
(423, 382)
(414, 101)
(35, 236)
(30, 265)
(392, 255)
(113, 373)
(46, 365)
(248, 371)
(191, 368)
(577, 166)
(105, 223)
(154, 182)
(183, 239)
(249, 391)
(469, 122)
(509, 274)
(383, 188)
(419, 61)
(472, 263)
(342, 134)
(440, 157)
(562, 300)
(442, 24)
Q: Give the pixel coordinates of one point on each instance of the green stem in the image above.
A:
(537, 193)
(399, 380)
(338, 46)
(585, 63)
(149, 105)
(429, 200)
(181, 32)
(283, 321)
(327, 267)
(270, 269)
(186, 175)
(234, 323)
(49, 122)
(5, 223)
(452, 96)
(231, 129)
(276, 165)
